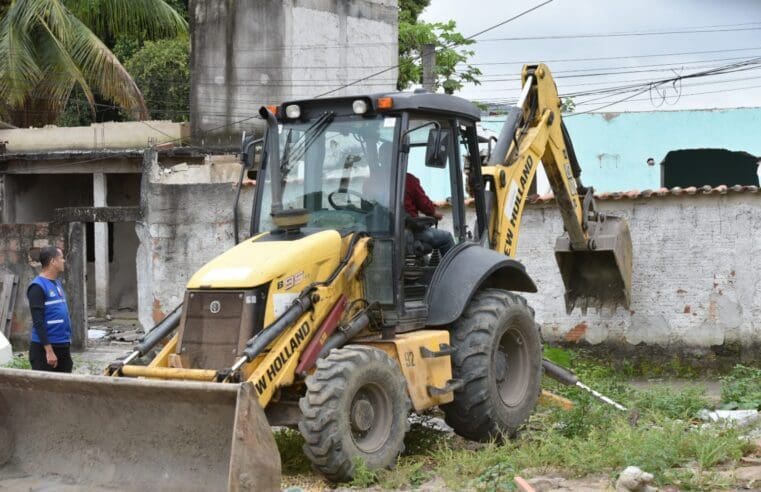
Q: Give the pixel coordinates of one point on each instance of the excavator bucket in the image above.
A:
(601, 275)
(62, 431)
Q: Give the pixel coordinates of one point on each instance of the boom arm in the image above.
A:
(539, 138)
(595, 252)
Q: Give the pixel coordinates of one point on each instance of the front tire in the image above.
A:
(498, 355)
(356, 406)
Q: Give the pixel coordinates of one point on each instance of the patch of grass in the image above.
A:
(18, 362)
(741, 388)
(408, 472)
(289, 444)
(591, 439)
(667, 403)
(420, 439)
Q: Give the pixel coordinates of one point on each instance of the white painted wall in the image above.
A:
(696, 275)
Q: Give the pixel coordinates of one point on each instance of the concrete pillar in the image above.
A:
(99, 194)
(429, 67)
(8, 199)
(75, 285)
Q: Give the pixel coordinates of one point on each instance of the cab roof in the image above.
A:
(417, 101)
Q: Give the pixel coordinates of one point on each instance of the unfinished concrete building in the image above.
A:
(77, 188)
(247, 54)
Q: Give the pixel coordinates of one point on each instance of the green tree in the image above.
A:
(451, 67)
(50, 47)
(161, 70)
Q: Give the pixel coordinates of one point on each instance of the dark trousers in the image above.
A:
(40, 362)
(436, 239)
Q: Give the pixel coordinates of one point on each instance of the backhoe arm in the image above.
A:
(594, 253)
(539, 137)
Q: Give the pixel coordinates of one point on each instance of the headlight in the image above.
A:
(293, 111)
(359, 106)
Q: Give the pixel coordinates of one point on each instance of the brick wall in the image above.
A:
(16, 241)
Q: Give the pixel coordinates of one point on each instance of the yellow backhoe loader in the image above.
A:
(335, 315)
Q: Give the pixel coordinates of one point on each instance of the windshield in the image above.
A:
(339, 169)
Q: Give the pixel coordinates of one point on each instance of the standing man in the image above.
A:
(50, 348)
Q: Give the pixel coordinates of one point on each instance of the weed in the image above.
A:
(18, 362)
(363, 476)
(496, 478)
(408, 472)
(741, 388)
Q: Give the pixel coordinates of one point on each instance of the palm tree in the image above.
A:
(50, 47)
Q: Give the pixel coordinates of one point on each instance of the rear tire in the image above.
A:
(498, 355)
(356, 406)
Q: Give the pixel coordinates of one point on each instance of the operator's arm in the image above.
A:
(36, 297)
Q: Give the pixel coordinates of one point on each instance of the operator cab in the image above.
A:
(341, 163)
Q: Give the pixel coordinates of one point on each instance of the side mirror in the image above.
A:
(251, 152)
(437, 149)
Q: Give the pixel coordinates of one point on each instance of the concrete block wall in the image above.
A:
(696, 277)
(187, 221)
(248, 54)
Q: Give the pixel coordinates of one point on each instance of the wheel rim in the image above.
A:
(512, 367)
(370, 417)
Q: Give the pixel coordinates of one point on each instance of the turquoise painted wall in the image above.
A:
(613, 148)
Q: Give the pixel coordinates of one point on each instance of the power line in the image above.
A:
(675, 64)
(525, 12)
(615, 35)
(619, 57)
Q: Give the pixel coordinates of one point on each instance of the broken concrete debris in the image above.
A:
(632, 479)
(739, 418)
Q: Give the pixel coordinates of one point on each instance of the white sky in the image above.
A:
(738, 20)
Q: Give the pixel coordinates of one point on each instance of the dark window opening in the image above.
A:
(712, 167)
(91, 242)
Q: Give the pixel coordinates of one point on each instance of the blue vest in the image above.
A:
(57, 320)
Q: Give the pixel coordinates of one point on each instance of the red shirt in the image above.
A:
(415, 199)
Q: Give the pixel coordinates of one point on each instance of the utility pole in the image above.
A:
(429, 64)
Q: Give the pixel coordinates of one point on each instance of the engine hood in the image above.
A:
(258, 261)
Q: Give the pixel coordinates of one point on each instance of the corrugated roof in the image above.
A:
(657, 193)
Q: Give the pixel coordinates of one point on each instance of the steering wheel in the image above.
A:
(349, 206)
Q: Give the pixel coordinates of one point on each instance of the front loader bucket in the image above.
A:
(93, 432)
(602, 275)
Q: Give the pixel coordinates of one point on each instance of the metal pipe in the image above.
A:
(272, 144)
(343, 335)
(566, 377)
